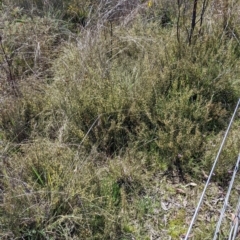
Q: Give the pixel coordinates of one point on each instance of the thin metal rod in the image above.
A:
(235, 222)
(226, 200)
(235, 229)
(231, 232)
(211, 173)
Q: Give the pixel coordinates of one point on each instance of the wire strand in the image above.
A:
(235, 222)
(226, 200)
(211, 173)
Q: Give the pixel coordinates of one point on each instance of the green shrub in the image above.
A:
(168, 102)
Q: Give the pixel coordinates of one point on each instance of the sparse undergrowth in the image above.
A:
(110, 124)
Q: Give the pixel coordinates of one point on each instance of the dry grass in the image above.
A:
(116, 123)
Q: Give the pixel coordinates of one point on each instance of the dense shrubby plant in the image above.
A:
(109, 113)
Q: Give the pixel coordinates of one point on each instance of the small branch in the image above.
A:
(178, 20)
(194, 16)
(10, 77)
(204, 7)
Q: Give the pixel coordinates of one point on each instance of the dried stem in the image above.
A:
(10, 77)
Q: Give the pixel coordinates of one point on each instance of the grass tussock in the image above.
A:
(110, 114)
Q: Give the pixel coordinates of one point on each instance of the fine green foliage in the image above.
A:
(108, 111)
